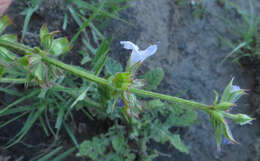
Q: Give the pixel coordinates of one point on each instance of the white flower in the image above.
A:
(138, 55)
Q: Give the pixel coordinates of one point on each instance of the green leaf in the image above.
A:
(46, 37)
(60, 116)
(153, 78)
(226, 94)
(34, 59)
(88, 6)
(43, 32)
(228, 133)
(118, 143)
(80, 97)
(181, 116)
(64, 155)
(223, 106)
(70, 133)
(31, 119)
(175, 140)
(86, 58)
(5, 21)
(38, 71)
(29, 12)
(27, 96)
(221, 127)
(94, 148)
(112, 66)
(9, 37)
(16, 117)
(2, 71)
(24, 61)
(60, 46)
(50, 154)
(7, 55)
(155, 104)
(87, 22)
(100, 57)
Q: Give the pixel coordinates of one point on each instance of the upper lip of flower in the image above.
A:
(234, 88)
(138, 55)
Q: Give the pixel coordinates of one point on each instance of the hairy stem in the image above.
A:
(17, 47)
(170, 98)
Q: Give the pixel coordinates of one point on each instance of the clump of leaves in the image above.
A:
(122, 143)
(112, 146)
(153, 124)
(36, 71)
(247, 30)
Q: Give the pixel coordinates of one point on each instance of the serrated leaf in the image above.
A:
(153, 78)
(5, 21)
(112, 66)
(85, 149)
(118, 143)
(155, 104)
(175, 140)
(60, 46)
(94, 148)
(181, 116)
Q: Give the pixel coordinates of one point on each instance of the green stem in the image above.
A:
(170, 98)
(83, 74)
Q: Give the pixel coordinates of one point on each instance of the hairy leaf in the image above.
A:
(153, 78)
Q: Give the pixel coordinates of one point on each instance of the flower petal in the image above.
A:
(129, 45)
(234, 88)
(148, 52)
(135, 57)
(138, 55)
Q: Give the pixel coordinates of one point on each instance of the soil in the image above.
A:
(190, 54)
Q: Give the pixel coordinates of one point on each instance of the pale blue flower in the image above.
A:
(234, 88)
(137, 54)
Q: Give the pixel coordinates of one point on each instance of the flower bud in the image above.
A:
(242, 119)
